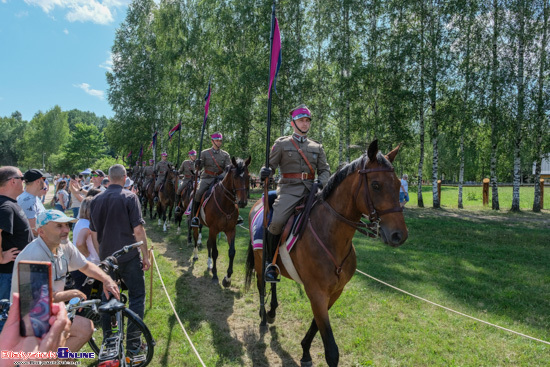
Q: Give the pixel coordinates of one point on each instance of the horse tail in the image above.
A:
(249, 266)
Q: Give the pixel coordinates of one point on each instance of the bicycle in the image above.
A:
(116, 349)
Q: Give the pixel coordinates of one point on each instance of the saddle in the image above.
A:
(296, 222)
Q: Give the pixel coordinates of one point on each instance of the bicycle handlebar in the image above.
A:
(77, 303)
(107, 264)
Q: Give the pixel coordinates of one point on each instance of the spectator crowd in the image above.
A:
(104, 218)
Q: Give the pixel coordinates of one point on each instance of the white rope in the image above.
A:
(175, 313)
(449, 309)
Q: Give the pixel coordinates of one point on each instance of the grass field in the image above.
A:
(472, 197)
(490, 265)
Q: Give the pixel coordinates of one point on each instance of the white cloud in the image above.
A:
(21, 14)
(108, 64)
(93, 92)
(96, 11)
(66, 31)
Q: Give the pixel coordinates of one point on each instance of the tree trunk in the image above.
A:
(434, 29)
(494, 117)
(540, 116)
(421, 109)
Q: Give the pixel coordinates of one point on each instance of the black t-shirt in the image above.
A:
(114, 214)
(16, 231)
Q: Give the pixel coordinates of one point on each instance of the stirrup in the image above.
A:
(272, 269)
(156, 199)
(177, 209)
(195, 222)
(240, 220)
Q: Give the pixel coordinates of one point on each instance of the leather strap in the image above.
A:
(217, 165)
(305, 158)
(211, 173)
(301, 176)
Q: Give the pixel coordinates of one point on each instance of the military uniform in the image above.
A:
(148, 173)
(161, 170)
(214, 163)
(296, 178)
(187, 169)
(136, 171)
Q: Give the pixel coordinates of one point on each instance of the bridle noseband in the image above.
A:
(231, 195)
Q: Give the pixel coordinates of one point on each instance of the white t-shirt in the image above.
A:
(82, 224)
(31, 204)
(405, 186)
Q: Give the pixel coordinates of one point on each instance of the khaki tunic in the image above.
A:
(135, 172)
(209, 167)
(187, 169)
(148, 173)
(161, 169)
(290, 191)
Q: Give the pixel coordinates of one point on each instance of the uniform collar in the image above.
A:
(299, 138)
(216, 150)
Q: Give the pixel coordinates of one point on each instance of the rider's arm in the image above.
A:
(140, 235)
(323, 169)
(109, 286)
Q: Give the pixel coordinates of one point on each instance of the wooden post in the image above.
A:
(485, 191)
(151, 277)
(439, 191)
(541, 193)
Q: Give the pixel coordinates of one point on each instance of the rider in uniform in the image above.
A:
(148, 173)
(297, 176)
(136, 171)
(214, 160)
(161, 170)
(187, 169)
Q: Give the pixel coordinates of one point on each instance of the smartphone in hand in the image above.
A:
(35, 297)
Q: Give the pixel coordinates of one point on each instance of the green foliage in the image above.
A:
(11, 128)
(105, 162)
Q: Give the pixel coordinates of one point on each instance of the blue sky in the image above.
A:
(56, 52)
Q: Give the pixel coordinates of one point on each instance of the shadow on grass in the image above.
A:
(488, 266)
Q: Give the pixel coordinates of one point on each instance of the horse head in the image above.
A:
(379, 188)
(236, 180)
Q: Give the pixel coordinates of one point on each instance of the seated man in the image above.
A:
(52, 245)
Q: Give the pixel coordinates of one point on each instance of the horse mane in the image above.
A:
(240, 166)
(340, 175)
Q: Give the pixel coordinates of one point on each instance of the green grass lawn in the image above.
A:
(472, 197)
(494, 269)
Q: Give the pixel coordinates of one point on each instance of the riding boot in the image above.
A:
(178, 198)
(195, 221)
(271, 269)
(240, 220)
(156, 198)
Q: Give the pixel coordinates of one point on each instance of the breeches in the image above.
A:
(283, 207)
(203, 186)
(183, 185)
(160, 180)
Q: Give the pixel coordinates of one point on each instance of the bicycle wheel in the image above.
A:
(97, 337)
(139, 344)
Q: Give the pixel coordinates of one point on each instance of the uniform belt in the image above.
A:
(301, 176)
(188, 176)
(162, 172)
(212, 173)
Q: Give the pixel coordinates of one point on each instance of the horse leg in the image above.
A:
(199, 241)
(231, 240)
(164, 226)
(189, 231)
(213, 254)
(195, 250)
(320, 308)
(273, 305)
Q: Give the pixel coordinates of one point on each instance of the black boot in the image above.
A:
(240, 220)
(195, 221)
(271, 246)
(178, 198)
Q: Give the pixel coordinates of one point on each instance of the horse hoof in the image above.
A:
(306, 363)
(178, 231)
(195, 258)
(215, 281)
(263, 328)
(270, 319)
(226, 282)
(159, 222)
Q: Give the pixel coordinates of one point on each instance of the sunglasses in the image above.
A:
(17, 177)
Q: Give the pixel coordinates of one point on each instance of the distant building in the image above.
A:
(545, 168)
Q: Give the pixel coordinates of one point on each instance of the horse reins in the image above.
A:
(374, 215)
(232, 198)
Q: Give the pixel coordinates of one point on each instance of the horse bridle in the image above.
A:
(226, 193)
(373, 228)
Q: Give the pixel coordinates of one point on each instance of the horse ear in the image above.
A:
(234, 161)
(247, 162)
(373, 150)
(391, 155)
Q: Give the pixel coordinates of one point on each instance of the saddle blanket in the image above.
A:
(257, 236)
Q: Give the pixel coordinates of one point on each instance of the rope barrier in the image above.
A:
(175, 313)
(451, 310)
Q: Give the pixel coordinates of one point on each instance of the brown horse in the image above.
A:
(167, 197)
(324, 257)
(183, 204)
(221, 213)
(147, 196)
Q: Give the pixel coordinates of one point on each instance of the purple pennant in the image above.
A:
(207, 105)
(276, 58)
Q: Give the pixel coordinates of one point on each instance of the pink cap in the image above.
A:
(151, 160)
(164, 154)
(216, 136)
(192, 152)
(301, 112)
